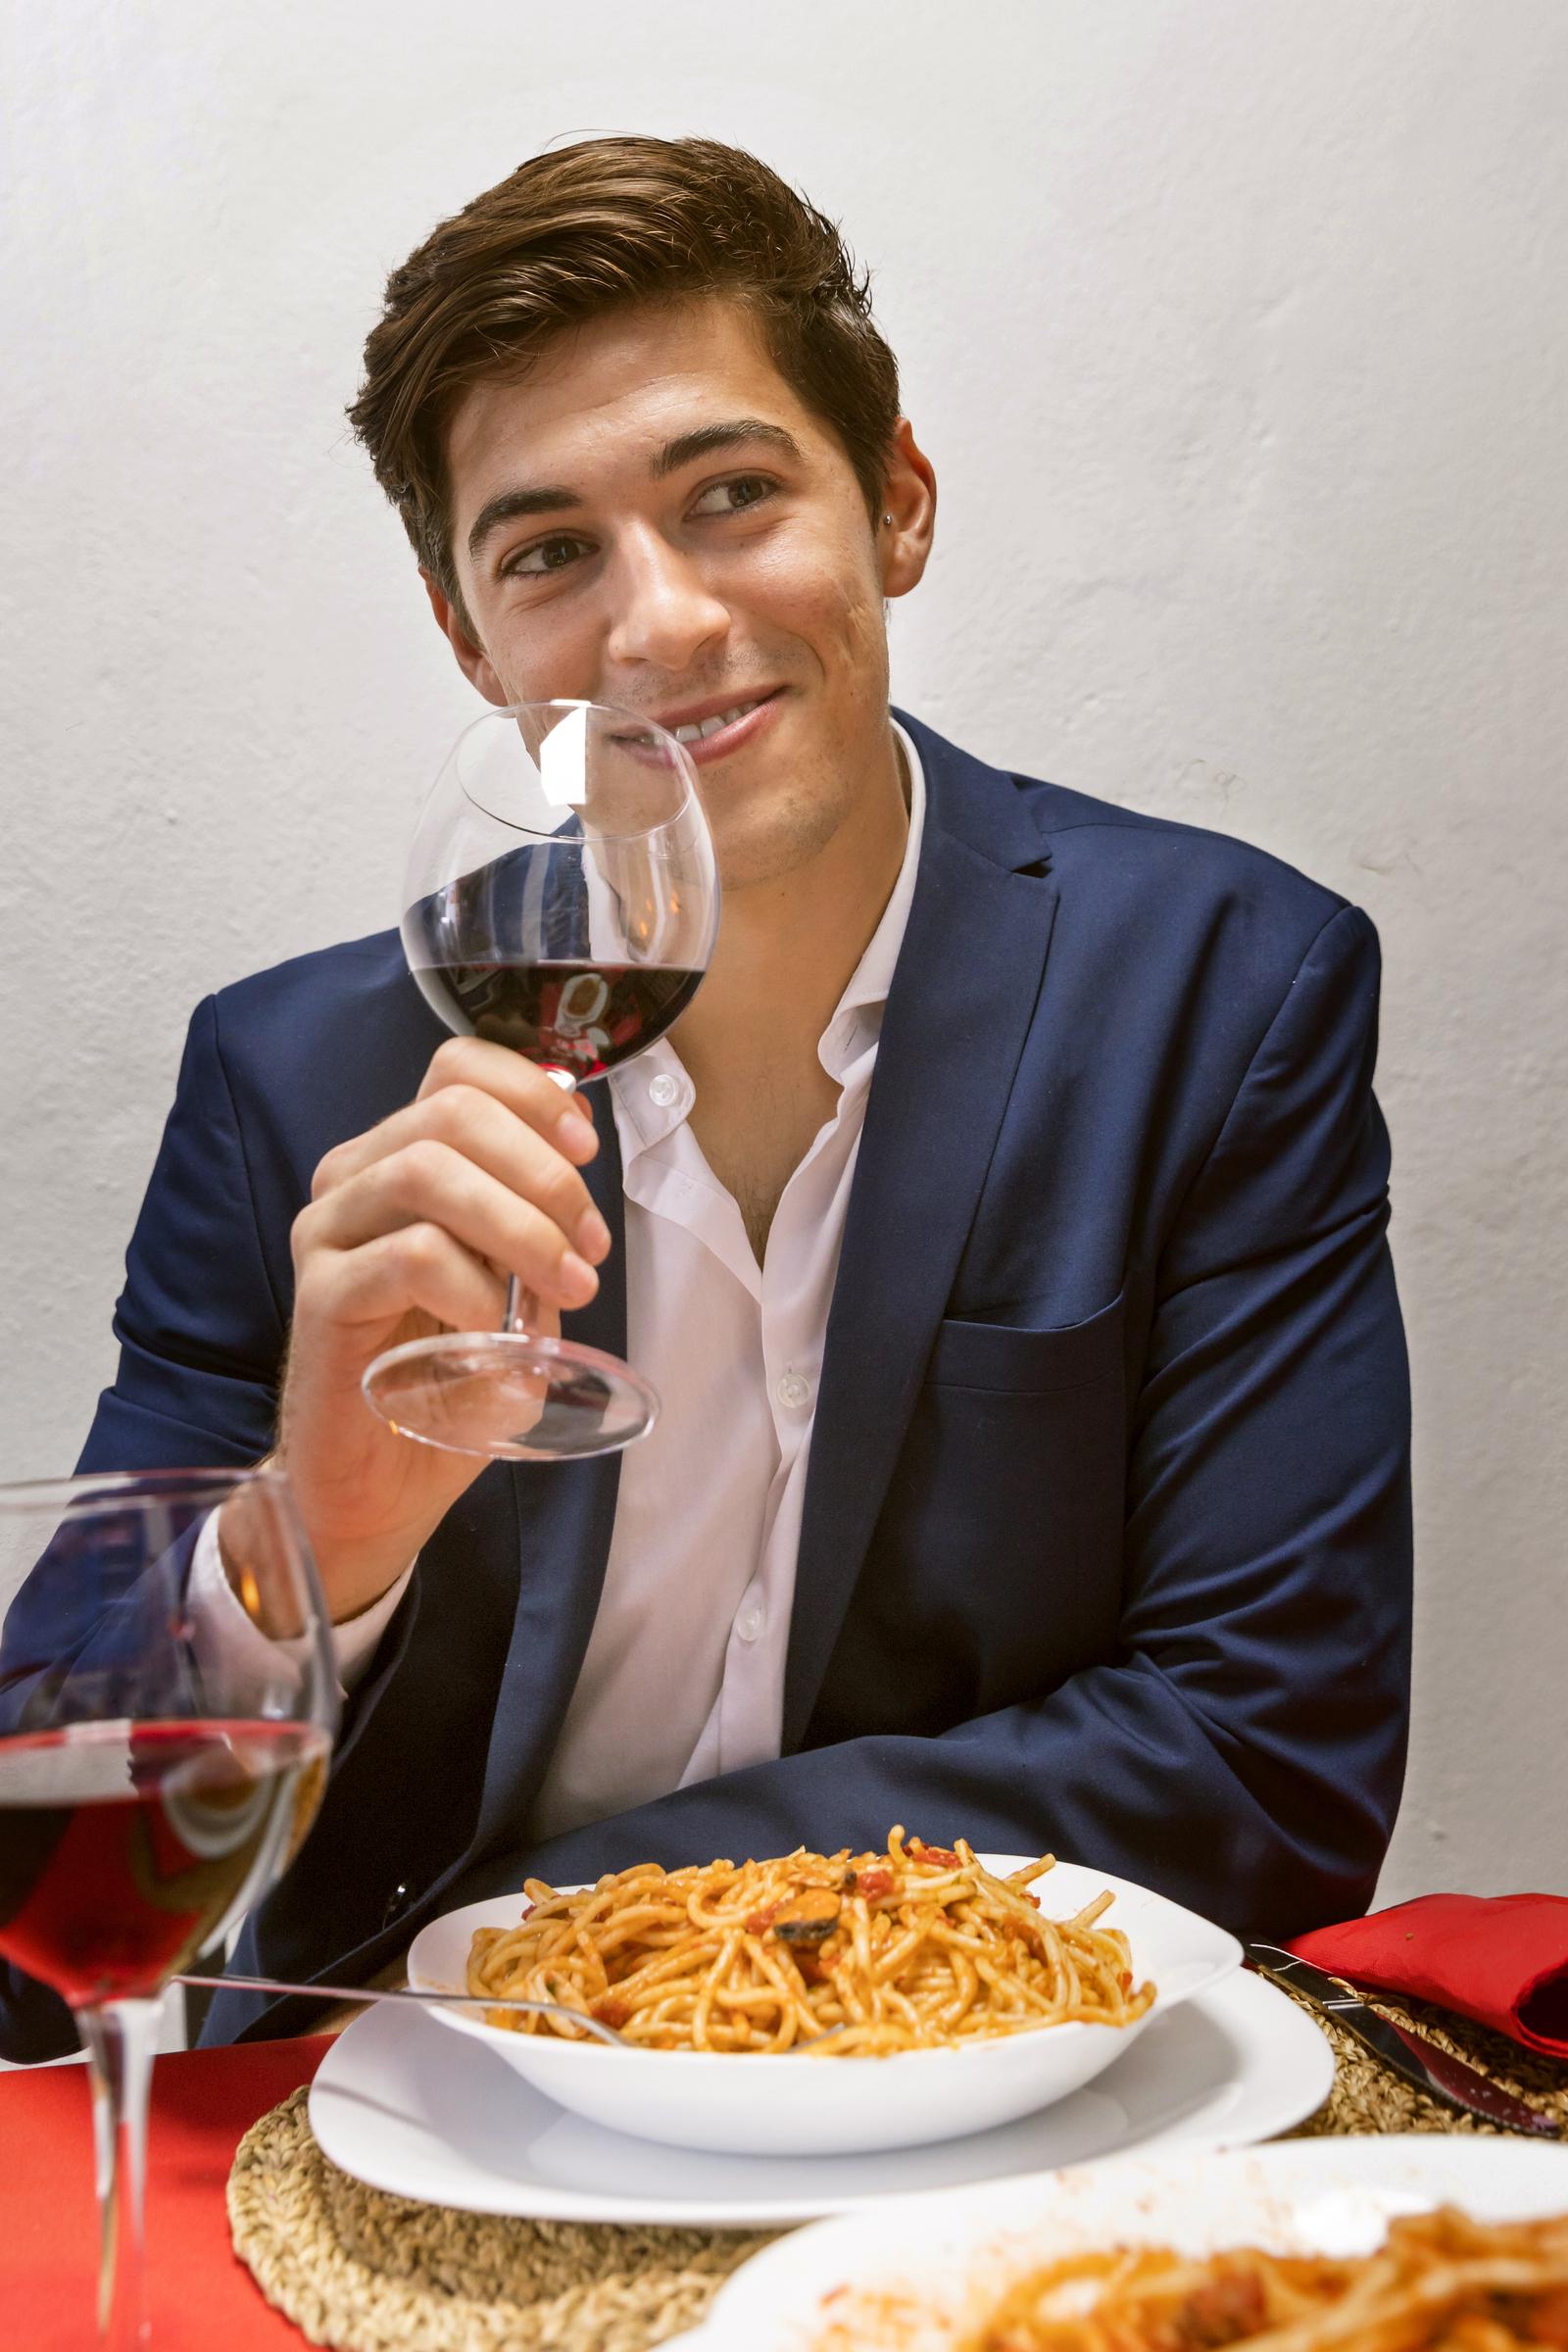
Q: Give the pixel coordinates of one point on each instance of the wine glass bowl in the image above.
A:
(562, 900)
(158, 1772)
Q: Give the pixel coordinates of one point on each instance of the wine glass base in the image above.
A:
(511, 1396)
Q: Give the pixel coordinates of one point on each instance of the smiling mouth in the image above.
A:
(698, 730)
(725, 719)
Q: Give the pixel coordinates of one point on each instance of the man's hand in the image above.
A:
(412, 1228)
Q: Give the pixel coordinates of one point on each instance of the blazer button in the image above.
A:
(397, 1901)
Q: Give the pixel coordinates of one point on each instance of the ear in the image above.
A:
(903, 544)
(473, 659)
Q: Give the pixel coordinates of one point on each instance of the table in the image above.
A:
(203, 2299)
(200, 2295)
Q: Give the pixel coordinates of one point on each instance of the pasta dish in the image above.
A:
(918, 1947)
(1440, 2283)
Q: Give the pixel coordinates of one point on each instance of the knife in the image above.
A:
(1410, 2055)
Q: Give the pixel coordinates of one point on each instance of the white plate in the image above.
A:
(919, 2275)
(411, 2108)
(750, 2106)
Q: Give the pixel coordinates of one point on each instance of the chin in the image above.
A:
(754, 847)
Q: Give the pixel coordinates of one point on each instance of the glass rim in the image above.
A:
(683, 767)
(82, 1489)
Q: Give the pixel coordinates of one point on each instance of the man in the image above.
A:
(1003, 1224)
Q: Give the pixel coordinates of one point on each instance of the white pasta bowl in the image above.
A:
(798, 2105)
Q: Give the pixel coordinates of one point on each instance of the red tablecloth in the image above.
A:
(199, 2296)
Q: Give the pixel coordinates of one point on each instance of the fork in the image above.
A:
(436, 2000)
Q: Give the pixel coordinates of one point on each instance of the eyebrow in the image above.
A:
(554, 498)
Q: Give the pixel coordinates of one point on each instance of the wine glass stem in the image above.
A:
(119, 2038)
(523, 1308)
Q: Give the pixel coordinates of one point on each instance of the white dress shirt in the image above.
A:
(684, 1672)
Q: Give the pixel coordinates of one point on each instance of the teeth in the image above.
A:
(709, 726)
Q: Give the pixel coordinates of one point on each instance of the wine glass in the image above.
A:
(561, 897)
(154, 1782)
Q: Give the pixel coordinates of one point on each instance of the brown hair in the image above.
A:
(596, 228)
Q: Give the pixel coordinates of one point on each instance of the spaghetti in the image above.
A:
(1441, 2282)
(918, 1947)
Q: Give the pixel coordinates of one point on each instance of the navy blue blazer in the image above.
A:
(1107, 1535)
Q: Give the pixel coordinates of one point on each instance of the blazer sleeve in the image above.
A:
(200, 1342)
(1244, 1749)
(200, 1331)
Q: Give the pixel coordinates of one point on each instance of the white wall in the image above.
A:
(1236, 329)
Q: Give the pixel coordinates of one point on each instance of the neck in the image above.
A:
(787, 948)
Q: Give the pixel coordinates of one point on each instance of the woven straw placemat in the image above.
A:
(363, 2272)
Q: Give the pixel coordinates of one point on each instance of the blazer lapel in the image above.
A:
(963, 999)
(565, 1517)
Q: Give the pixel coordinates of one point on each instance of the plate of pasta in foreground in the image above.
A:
(821, 2004)
(1397, 2244)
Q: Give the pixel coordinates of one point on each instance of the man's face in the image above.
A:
(602, 561)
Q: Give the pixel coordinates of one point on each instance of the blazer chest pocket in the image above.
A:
(1016, 1359)
(997, 1569)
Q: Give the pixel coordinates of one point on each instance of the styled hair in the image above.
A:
(596, 228)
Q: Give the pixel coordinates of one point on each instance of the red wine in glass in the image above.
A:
(576, 1016)
(123, 1847)
(154, 1782)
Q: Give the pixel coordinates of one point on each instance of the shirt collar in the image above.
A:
(873, 976)
(847, 1048)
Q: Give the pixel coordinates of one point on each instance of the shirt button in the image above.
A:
(748, 1624)
(663, 1090)
(792, 1390)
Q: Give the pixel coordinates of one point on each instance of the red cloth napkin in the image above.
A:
(1502, 1959)
(198, 2291)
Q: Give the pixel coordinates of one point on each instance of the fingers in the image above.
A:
(432, 1183)
(419, 1266)
(493, 1164)
(479, 1129)
(466, 1069)
(549, 1102)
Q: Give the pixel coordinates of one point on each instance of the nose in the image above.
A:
(663, 612)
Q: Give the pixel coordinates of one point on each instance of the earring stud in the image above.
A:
(887, 519)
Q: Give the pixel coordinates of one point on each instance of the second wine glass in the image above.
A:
(561, 898)
(155, 1778)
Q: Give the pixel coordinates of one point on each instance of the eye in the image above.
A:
(736, 494)
(546, 555)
